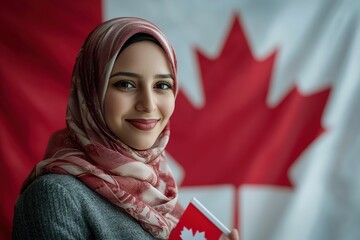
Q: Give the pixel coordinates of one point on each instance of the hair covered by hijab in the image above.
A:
(140, 182)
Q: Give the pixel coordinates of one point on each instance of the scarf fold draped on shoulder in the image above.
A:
(139, 182)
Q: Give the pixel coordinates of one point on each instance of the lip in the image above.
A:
(143, 124)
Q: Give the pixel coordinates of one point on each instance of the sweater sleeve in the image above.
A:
(47, 210)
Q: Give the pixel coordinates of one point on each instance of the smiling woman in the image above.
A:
(105, 176)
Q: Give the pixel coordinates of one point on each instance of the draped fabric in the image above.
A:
(140, 182)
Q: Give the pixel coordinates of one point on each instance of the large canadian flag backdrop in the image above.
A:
(266, 130)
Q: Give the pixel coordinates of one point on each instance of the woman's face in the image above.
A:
(139, 99)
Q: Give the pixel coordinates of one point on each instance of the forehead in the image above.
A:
(142, 55)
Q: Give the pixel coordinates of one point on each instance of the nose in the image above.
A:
(146, 101)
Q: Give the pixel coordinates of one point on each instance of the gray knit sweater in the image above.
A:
(62, 207)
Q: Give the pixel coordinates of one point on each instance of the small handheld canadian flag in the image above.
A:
(198, 223)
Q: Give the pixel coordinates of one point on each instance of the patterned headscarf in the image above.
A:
(140, 182)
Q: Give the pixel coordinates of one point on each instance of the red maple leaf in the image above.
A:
(236, 138)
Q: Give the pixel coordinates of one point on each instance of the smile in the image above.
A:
(143, 124)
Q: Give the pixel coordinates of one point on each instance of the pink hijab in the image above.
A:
(140, 182)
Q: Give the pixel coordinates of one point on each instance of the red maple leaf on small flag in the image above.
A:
(236, 138)
(198, 218)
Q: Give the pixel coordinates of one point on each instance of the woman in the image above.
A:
(105, 175)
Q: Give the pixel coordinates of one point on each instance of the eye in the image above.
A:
(163, 85)
(124, 84)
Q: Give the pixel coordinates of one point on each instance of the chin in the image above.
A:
(141, 147)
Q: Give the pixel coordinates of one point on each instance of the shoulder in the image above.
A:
(48, 207)
(52, 193)
(65, 204)
(49, 187)
(54, 181)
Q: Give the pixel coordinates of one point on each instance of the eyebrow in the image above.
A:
(127, 74)
(134, 75)
(164, 76)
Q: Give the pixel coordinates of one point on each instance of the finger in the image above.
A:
(234, 235)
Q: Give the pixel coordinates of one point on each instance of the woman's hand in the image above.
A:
(234, 235)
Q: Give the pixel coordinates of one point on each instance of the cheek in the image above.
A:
(168, 106)
(114, 106)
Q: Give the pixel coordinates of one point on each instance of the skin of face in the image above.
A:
(139, 99)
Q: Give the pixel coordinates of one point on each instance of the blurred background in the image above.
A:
(266, 131)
